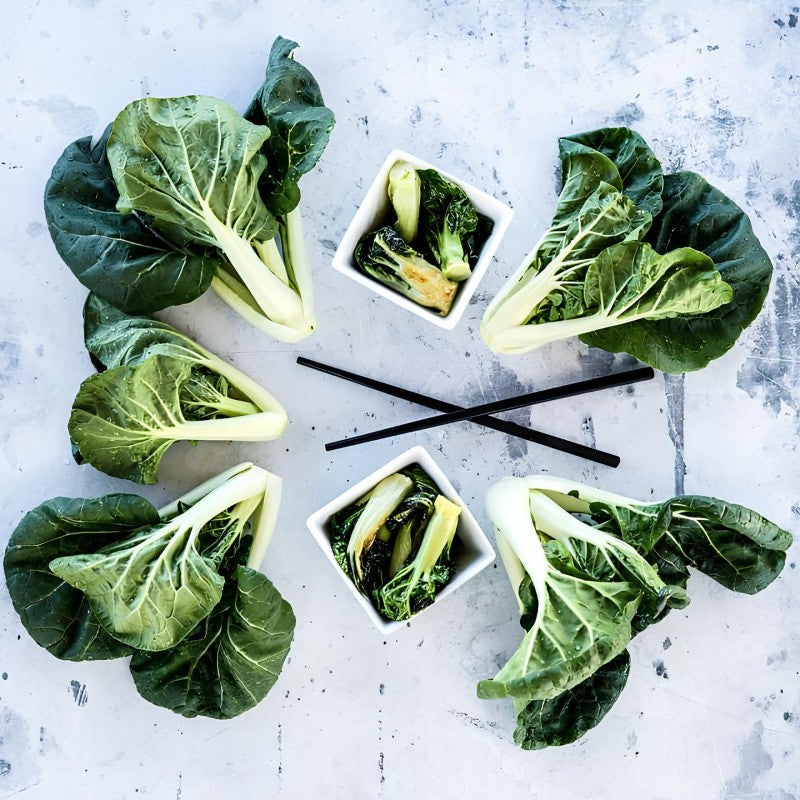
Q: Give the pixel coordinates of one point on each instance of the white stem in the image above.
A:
(301, 265)
(274, 297)
(265, 520)
(248, 387)
(508, 507)
(270, 254)
(282, 333)
(193, 495)
(242, 486)
(586, 494)
(521, 338)
(514, 569)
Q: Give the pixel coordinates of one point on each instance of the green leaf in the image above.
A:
(565, 645)
(191, 162)
(123, 420)
(289, 103)
(568, 716)
(114, 338)
(121, 257)
(56, 615)
(640, 174)
(583, 171)
(151, 589)
(631, 280)
(730, 543)
(230, 661)
(697, 215)
(606, 218)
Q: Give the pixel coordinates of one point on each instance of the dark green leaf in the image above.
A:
(730, 543)
(639, 170)
(290, 104)
(230, 661)
(56, 615)
(119, 256)
(567, 717)
(114, 338)
(697, 215)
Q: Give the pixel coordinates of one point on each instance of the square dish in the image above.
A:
(376, 209)
(473, 554)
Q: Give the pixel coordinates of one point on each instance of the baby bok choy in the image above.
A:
(177, 588)
(394, 543)
(590, 569)
(156, 387)
(182, 194)
(664, 267)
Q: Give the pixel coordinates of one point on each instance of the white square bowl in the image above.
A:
(375, 210)
(474, 554)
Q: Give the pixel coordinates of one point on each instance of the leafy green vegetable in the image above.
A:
(161, 387)
(568, 716)
(152, 588)
(169, 202)
(394, 542)
(699, 216)
(203, 182)
(676, 312)
(730, 543)
(121, 257)
(580, 623)
(230, 661)
(590, 569)
(197, 593)
(404, 193)
(416, 585)
(289, 102)
(385, 256)
(447, 218)
(56, 615)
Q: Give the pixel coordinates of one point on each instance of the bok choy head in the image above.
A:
(665, 268)
(590, 569)
(157, 387)
(150, 589)
(183, 194)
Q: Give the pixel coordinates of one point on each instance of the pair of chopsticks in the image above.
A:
(481, 414)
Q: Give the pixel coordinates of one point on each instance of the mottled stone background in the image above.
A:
(712, 709)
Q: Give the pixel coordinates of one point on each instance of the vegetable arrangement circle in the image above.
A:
(185, 194)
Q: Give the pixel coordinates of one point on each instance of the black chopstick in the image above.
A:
(530, 398)
(504, 426)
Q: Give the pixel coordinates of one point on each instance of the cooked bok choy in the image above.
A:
(184, 193)
(432, 243)
(394, 543)
(404, 193)
(178, 588)
(447, 220)
(388, 258)
(415, 585)
(158, 387)
(664, 267)
(590, 569)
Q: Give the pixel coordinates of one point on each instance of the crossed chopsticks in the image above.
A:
(480, 414)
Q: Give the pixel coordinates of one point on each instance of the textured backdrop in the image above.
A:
(712, 708)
